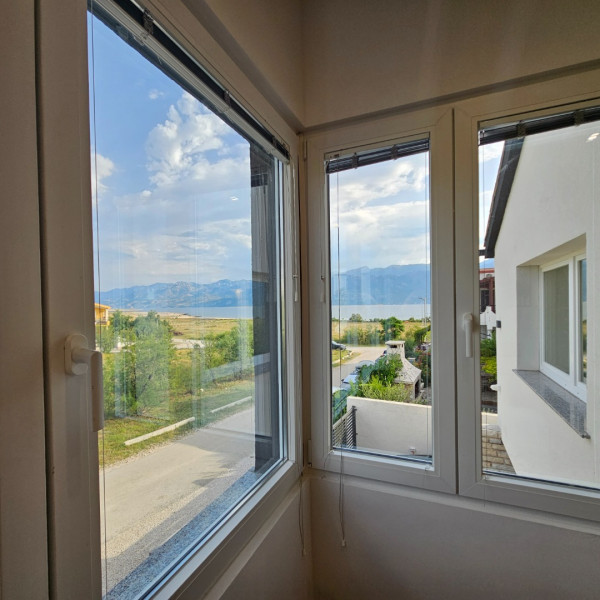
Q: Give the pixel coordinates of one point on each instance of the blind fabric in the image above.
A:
(490, 135)
(377, 155)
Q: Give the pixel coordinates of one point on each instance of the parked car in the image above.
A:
(337, 346)
(353, 377)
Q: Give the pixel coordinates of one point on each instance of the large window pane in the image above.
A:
(537, 231)
(380, 303)
(187, 314)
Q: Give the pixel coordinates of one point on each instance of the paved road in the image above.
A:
(359, 353)
(151, 497)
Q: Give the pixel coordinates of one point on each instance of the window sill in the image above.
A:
(569, 408)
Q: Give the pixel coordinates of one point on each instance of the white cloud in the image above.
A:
(190, 218)
(102, 168)
(383, 213)
(490, 151)
(177, 149)
(155, 94)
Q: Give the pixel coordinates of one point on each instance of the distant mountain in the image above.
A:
(182, 294)
(397, 284)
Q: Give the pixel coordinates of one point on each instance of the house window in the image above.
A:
(555, 318)
(189, 272)
(564, 323)
(581, 321)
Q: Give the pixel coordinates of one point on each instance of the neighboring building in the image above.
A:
(540, 232)
(487, 301)
(409, 376)
(487, 289)
(101, 313)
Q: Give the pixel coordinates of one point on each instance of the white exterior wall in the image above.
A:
(551, 203)
(394, 427)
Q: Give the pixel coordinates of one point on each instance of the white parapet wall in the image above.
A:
(395, 427)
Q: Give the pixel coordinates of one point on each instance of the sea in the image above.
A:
(342, 312)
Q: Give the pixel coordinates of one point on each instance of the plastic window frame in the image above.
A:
(201, 565)
(437, 125)
(575, 91)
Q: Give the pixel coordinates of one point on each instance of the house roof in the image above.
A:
(98, 305)
(409, 373)
(506, 175)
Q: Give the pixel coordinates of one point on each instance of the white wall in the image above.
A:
(552, 202)
(265, 40)
(362, 57)
(277, 564)
(393, 427)
(411, 545)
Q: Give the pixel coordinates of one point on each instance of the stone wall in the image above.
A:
(494, 455)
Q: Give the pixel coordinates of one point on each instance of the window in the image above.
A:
(379, 254)
(379, 211)
(537, 198)
(563, 321)
(189, 283)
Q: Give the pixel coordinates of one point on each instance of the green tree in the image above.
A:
(355, 318)
(137, 377)
(392, 328)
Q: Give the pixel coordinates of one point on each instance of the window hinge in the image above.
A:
(309, 453)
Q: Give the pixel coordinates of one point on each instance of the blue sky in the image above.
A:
(173, 185)
(172, 179)
(489, 161)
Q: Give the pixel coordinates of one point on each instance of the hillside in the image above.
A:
(396, 284)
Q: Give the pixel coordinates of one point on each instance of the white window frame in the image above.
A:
(64, 147)
(543, 98)
(569, 381)
(437, 125)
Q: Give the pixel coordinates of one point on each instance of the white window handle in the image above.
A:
(78, 359)
(468, 327)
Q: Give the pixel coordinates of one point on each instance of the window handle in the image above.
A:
(468, 327)
(78, 360)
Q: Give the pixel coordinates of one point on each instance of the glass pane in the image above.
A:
(537, 199)
(380, 308)
(187, 314)
(582, 325)
(556, 318)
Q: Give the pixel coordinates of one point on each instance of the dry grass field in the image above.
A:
(339, 327)
(193, 328)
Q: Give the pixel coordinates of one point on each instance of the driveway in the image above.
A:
(359, 353)
(151, 497)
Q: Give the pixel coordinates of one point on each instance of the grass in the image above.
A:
(193, 328)
(112, 448)
(340, 357)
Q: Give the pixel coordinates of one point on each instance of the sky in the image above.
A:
(170, 180)
(489, 161)
(171, 185)
(379, 214)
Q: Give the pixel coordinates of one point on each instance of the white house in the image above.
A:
(543, 232)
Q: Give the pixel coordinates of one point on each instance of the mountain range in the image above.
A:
(396, 284)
